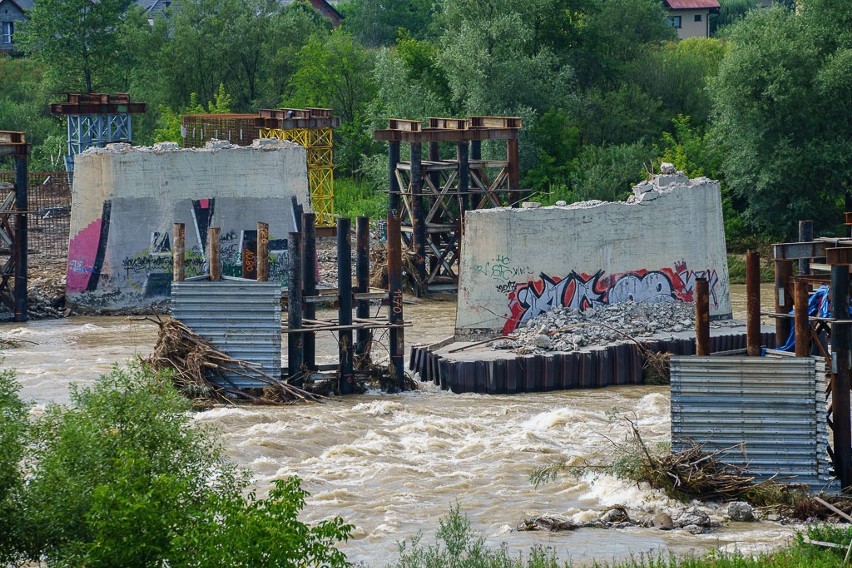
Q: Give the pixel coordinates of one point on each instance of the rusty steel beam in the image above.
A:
(796, 251)
(803, 335)
(395, 303)
(448, 123)
(441, 135)
(178, 252)
(753, 304)
(296, 123)
(13, 143)
(783, 299)
(404, 125)
(702, 317)
(838, 256)
(840, 345)
(495, 122)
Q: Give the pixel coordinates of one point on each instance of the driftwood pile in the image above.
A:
(200, 371)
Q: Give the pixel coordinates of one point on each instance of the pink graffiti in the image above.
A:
(582, 291)
(82, 250)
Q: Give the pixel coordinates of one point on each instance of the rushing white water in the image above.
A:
(393, 464)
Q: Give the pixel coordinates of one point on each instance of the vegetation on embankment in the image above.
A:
(124, 477)
(458, 546)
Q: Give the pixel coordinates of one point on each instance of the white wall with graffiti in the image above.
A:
(518, 263)
(125, 201)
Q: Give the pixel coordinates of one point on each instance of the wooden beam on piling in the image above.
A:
(803, 332)
(840, 347)
(344, 313)
(262, 254)
(178, 252)
(753, 304)
(295, 341)
(702, 317)
(783, 299)
(214, 246)
(395, 311)
(309, 285)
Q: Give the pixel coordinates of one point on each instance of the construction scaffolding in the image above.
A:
(312, 128)
(197, 129)
(96, 119)
(433, 195)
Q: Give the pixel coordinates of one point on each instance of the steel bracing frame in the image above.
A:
(432, 195)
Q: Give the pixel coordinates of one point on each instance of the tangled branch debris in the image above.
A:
(201, 370)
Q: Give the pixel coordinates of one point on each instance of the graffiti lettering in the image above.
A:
(500, 268)
(582, 291)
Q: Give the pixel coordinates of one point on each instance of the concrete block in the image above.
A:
(126, 199)
(519, 263)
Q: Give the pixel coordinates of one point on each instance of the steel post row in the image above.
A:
(352, 294)
(432, 195)
(824, 261)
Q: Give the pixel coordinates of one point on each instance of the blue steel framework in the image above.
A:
(96, 119)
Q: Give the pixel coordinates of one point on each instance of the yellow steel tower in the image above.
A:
(312, 128)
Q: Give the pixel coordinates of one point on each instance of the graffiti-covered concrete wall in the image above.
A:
(518, 263)
(126, 199)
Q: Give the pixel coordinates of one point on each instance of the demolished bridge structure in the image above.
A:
(432, 194)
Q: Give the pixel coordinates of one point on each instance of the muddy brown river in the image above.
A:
(393, 464)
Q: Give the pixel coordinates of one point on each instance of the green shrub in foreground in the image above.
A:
(123, 477)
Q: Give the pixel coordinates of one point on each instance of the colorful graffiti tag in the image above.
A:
(583, 291)
(147, 270)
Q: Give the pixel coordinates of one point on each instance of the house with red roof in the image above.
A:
(691, 18)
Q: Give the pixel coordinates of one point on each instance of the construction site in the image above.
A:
(229, 242)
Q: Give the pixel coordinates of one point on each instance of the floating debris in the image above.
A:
(200, 370)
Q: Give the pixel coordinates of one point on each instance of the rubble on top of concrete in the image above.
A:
(569, 329)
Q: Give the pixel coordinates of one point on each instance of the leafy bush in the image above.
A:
(123, 477)
(13, 426)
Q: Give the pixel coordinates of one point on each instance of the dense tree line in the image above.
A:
(605, 89)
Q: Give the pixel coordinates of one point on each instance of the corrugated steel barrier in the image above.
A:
(617, 364)
(240, 317)
(767, 413)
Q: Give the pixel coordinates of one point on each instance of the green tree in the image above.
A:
(123, 477)
(76, 40)
(13, 428)
(376, 23)
(783, 108)
(496, 61)
(335, 71)
(677, 73)
(730, 12)
(609, 172)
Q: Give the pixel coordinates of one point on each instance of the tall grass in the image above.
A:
(354, 198)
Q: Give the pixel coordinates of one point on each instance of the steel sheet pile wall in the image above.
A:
(617, 364)
(774, 407)
(239, 317)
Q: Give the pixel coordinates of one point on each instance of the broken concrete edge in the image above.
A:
(211, 146)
